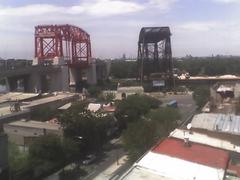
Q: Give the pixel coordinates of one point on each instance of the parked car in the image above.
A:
(173, 104)
(89, 159)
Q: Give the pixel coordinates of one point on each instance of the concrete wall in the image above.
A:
(54, 104)
(91, 74)
(34, 83)
(18, 134)
(215, 98)
(59, 81)
(13, 117)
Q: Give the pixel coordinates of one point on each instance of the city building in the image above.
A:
(24, 132)
(178, 159)
(223, 97)
(215, 139)
(222, 123)
(123, 92)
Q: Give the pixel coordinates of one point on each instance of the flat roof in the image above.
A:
(12, 96)
(49, 99)
(196, 153)
(226, 123)
(213, 139)
(35, 124)
(178, 169)
(171, 159)
(65, 106)
(140, 173)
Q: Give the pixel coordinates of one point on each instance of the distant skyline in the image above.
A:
(199, 27)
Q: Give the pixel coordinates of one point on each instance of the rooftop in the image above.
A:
(12, 96)
(172, 159)
(57, 97)
(226, 123)
(214, 139)
(163, 167)
(35, 124)
(196, 153)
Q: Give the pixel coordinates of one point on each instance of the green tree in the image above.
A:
(139, 137)
(17, 160)
(133, 107)
(47, 148)
(165, 119)
(90, 127)
(201, 95)
(43, 114)
(123, 69)
(94, 91)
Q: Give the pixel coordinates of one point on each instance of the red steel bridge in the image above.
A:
(63, 41)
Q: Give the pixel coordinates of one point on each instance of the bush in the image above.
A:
(94, 91)
(201, 95)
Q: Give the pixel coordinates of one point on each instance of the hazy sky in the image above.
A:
(199, 27)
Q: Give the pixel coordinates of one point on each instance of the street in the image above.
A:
(110, 164)
(186, 104)
(114, 163)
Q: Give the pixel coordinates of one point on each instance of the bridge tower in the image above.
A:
(155, 55)
(65, 45)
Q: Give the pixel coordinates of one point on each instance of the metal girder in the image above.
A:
(154, 53)
(64, 41)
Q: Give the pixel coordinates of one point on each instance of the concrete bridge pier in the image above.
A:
(34, 83)
(5, 84)
(59, 81)
(91, 74)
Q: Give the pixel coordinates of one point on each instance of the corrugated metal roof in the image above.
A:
(227, 123)
(196, 153)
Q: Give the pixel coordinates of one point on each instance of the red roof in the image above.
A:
(196, 153)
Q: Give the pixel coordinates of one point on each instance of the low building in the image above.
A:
(24, 132)
(123, 92)
(210, 138)
(224, 96)
(177, 159)
(223, 123)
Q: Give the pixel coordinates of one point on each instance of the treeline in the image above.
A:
(123, 69)
(210, 66)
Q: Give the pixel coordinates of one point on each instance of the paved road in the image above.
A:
(102, 164)
(186, 104)
(109, 159)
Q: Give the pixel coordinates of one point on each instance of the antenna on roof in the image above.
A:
(186, 136)
(189, 126)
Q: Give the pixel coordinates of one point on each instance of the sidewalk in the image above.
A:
(109, 172)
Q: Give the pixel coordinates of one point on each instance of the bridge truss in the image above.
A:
(155, 54)
(63, 41)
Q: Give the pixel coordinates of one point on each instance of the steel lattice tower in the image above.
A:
(65, 41)
(155, 54)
